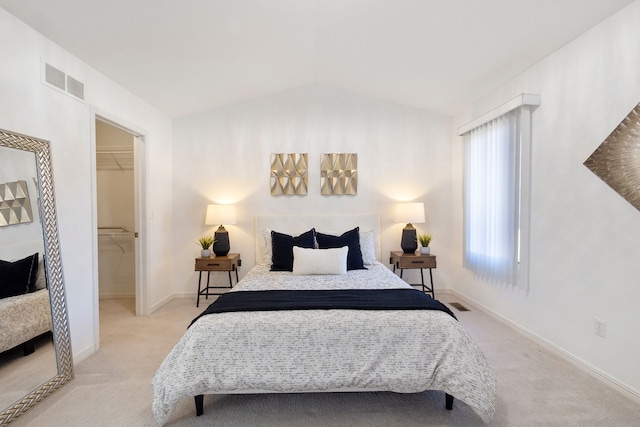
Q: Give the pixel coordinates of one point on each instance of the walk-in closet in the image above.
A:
(116, 211)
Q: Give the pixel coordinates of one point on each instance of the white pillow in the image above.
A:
(41, 277)
(268, 247)
(368, 247)
(320, 261)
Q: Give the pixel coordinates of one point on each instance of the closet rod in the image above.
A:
(121, 231)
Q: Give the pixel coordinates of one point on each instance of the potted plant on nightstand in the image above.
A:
(205, 242)
(424, 240)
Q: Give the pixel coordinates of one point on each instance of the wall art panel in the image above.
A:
(15, 207)
(617, 160)
(339, 174)
(289, 174)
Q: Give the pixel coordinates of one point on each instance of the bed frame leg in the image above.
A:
(28, 347)
(448, 401)
(199, 404)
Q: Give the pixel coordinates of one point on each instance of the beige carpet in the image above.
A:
(112, 387)
(20, 374)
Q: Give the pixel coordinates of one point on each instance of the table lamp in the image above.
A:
(409, 213)
(221, 214)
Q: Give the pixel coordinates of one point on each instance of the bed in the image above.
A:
(24, 314)
(320, 348)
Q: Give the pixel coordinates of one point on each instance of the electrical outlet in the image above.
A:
(600, 327)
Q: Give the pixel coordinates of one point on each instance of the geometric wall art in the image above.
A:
(339, 174)
(617, 160)
(15, 207)
(289, 174)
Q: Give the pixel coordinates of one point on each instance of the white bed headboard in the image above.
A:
(323, 223)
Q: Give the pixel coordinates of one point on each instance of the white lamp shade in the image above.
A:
(220, 215)
(410, 213)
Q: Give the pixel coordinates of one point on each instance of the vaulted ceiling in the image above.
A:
(191, 55)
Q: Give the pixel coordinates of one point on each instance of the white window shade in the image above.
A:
(524, 99)
(497, 158)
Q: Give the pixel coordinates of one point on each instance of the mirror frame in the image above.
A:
(60, 318)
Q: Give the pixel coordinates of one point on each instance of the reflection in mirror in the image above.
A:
(26, 317)
(35, 348)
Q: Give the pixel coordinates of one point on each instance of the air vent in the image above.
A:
(75, 87)
(60, 80)
(459, 306)
(55, 77)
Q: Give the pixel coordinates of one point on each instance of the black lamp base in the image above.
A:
(221, 245)
(409, 242)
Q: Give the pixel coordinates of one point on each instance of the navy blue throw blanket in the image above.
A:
(349, 299)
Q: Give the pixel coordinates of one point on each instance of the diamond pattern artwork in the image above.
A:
(617, 160)
(339, 174)
(289, 174)
(15, 207)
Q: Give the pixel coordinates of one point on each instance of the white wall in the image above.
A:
(31, 108)
(584, 236)
(223, 156)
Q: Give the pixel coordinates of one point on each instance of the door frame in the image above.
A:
(140, 212)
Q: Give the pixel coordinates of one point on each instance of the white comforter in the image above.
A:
(325, 350)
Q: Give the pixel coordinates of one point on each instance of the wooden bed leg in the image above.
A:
(448, 401)
(199, 404)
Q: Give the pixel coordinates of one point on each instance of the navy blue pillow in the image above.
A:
(351, 239)
(18, 277)
(282, 248)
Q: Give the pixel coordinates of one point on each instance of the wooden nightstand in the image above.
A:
(229, 263)
(402, 261)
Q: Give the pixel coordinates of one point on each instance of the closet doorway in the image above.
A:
(116, 215)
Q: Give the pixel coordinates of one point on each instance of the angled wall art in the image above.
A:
(15, 207)
(289, 174)
(617, 160)
(339, 174)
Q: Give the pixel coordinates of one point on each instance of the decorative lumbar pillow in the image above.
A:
(351, 239)
(18, 277)
(368, 247)
(268, 251)
(320, 261)
(41, 277)
(282, 248)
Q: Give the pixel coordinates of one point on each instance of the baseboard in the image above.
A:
(83, 354)
(161, 303)
(596, 373)
(184, 295)
(116, 295)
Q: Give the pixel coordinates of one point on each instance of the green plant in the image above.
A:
(206, 241)
(425, 239)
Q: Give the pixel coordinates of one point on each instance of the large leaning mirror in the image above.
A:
(35, 346)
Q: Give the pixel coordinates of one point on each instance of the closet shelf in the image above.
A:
(117, 231)
(114, 157)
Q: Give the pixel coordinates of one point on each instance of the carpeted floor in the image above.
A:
(112, 387)
(20, 374)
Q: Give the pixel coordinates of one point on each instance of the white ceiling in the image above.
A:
(191, 55)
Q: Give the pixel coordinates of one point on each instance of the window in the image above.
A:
(496, 196)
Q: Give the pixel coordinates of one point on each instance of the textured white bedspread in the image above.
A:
(23, 317)
(325, 350)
